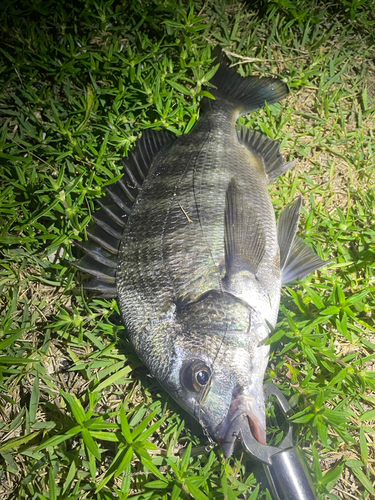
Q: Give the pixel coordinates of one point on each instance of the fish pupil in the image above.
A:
(195, 375)
(202, 377)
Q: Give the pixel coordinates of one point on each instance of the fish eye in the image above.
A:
(195, 376)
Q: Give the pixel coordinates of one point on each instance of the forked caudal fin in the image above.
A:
(100, 259)
(297, 259)
(244, 94)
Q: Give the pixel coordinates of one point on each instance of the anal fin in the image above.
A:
(302, 261)
(297, 259)
(287, 226)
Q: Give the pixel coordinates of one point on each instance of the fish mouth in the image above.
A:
(234, 424)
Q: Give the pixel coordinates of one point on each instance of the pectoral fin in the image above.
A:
(244, 238)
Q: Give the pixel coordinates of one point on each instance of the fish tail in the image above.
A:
(244, 94)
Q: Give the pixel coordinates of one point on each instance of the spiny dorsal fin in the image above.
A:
(108, 224)
(287, 226)
(95, 268)
(245, 94)
(267, 148)
(149, 145)
(100, 259)
(302, 261)
(244, 239)
(105, 289)
(97, 253)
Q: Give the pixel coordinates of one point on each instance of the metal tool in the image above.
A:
(284, 465)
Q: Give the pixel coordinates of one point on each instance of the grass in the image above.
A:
(80, 415)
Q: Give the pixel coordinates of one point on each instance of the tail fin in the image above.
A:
(244, 94)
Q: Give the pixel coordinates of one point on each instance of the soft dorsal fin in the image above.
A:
(245, 94)
(267, 148)
(100, 259)
(297, 259)
(287, 226)
(244, 239)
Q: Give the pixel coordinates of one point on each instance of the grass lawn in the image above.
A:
(80, 416)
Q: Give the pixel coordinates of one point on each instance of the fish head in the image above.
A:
(218, 368)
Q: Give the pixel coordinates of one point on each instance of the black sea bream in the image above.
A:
(187, 240)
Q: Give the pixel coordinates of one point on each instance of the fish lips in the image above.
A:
(234, 425)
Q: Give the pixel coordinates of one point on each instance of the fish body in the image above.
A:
(200, 259)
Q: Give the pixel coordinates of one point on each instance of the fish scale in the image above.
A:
(198, 268)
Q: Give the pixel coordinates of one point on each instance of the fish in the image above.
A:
(187, 240)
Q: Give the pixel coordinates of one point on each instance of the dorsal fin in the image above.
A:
(267, 148)
(148, 146)
(100, 259)
(244, 239)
